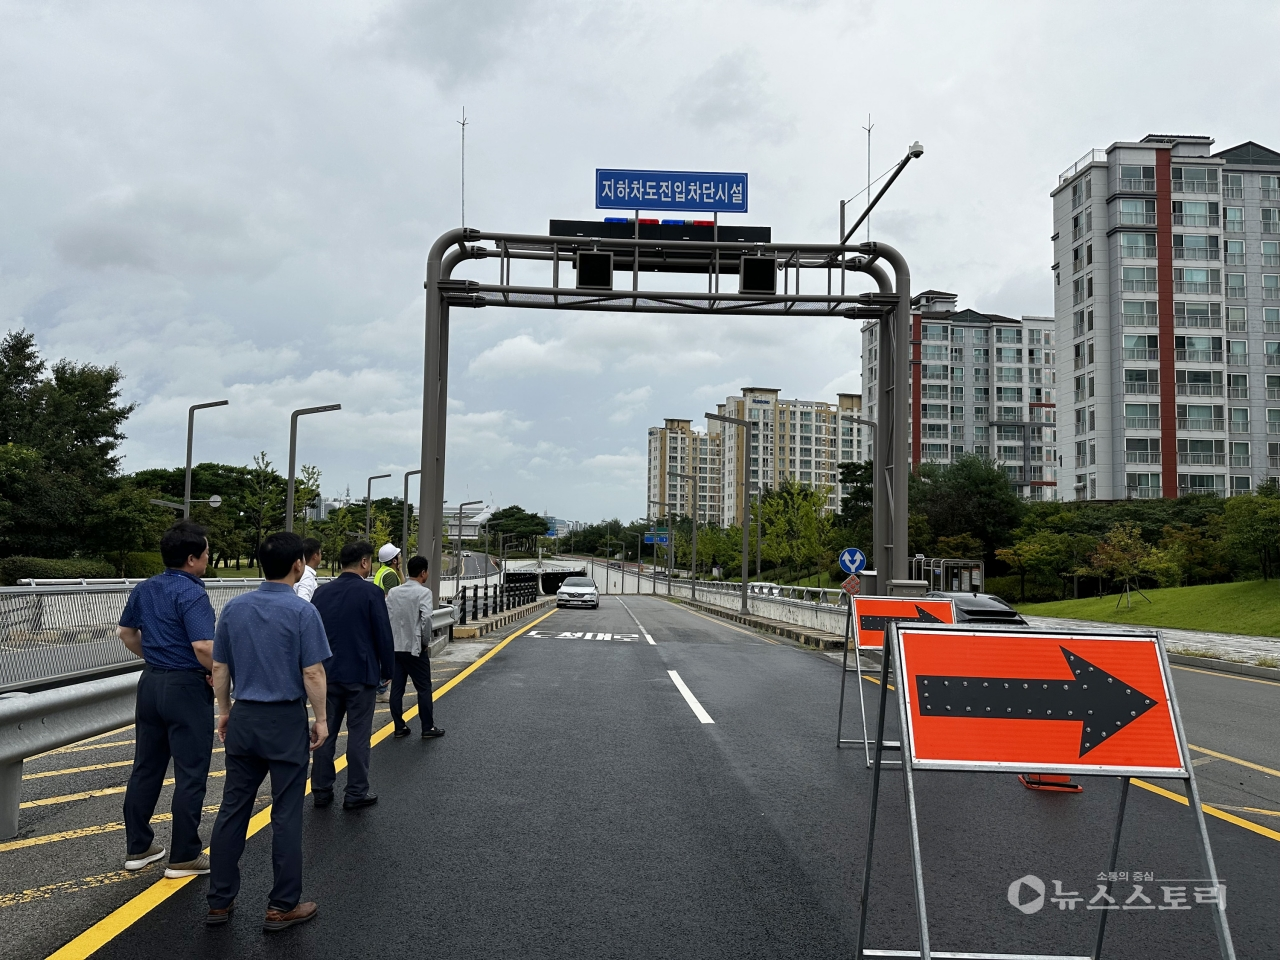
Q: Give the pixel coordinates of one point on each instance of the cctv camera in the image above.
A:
(916, 151)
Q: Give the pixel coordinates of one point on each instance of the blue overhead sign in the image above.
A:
(660, 538)
(671, 190)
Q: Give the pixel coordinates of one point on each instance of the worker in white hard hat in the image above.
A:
(388, 576)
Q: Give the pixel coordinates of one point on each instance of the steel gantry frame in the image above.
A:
(892, 299)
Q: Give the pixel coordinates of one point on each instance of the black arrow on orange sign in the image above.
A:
(1104, 704)
(869, 621)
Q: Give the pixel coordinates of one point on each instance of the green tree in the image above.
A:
(126, 521)
(971, 495)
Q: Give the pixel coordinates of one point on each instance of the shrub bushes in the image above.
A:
(13, 569)
(142, 565)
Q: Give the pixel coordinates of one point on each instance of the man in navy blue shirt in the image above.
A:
(168, 621)
(354, 611)
(272, 644)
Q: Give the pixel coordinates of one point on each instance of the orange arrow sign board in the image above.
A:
(872, 614)
(1068, 703)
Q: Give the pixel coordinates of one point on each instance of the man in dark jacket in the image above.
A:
(354, 612)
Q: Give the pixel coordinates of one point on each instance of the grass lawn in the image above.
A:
(1251, 608)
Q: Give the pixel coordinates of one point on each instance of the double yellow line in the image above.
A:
(130, 913)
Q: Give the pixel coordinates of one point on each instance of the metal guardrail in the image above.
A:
(32, 723)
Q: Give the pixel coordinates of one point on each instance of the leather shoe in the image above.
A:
(217, 916)
(401, 733)
(368, 800)
(431, 733)
(276, 920)
(321, 799)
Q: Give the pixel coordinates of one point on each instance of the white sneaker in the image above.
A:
(192, 868)
(136, 861)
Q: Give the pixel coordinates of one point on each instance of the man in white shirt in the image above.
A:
(311, 556)
(410, 606)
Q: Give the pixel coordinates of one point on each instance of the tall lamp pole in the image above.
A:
(457, 550)
(750, 432)
(670, 541)
(693, 512)
(191, 425)
(368, 503)
(404, 529)
(293, 451)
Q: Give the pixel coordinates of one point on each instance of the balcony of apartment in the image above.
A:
(1199, 389)
(1237, 393)
(1141, 353)
(1150, 389)
(1139, 456)
(1239, 461)
(1139, 320)
(1232, 193)
(1233, 226)
(1270, 260)
(1202, 459)
(1237, 359)
(1233, 259)
(1077, 264)
(1270, 226)
(1035, 375)
(1139, 286)
(1142, 423)
(1273, 463)
(1142, 493)
(1234, 293)
(1238, 426)
(1134, 252)
(1084, 461)
(1185, 286)
(1077, 233)
(1202, 423)
(1237, 326)
(1207, 321)
(1134, 218)
(1273, 426)
(1009, 414)
(1079, 363)
(1190, 253)
(1008, 374)
(1195, 220)
(1194, 186)
(1197, 356)
(1270, 193)
(981, 376)
(1136, 185)
(1271, 293)
(1273, 359)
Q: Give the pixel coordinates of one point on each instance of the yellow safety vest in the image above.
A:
(381, 575)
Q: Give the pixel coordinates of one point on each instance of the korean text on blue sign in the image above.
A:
(671, 190)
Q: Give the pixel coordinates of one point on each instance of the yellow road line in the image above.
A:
(1244, 763)
(1258, 810)
(67, 886)
(59, 773)
(1211, 811)
(1224, 674)
(104, 792)
(125, 916)
(92, 746)
(81, 832)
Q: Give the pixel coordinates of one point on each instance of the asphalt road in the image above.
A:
(579, 807)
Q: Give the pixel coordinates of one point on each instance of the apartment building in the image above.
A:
(980, 383)
(677, 446)
(1167, 302)
(800, 440)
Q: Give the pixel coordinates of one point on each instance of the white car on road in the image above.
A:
(578, 592)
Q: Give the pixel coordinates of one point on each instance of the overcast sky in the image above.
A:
(234, 200)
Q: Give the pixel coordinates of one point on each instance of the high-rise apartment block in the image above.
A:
(981, 384)
(800, 440)
(1167, 301)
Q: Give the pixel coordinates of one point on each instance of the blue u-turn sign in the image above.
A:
(671, 190)
(852, 560)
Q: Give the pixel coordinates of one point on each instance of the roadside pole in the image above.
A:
(746, 496)
(191, 425)
(293, 451)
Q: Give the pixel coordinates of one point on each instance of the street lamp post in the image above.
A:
(750, 433)
(368, 503)
(404, 529)
(191, 425)
(670, 541)
(623, 568)
(693, 514)
(293, 450)
(457, 550)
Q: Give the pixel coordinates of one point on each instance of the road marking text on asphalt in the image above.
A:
(689, 698)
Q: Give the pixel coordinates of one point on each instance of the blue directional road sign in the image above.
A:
(660, 538)
(852, 560)
(671, 190)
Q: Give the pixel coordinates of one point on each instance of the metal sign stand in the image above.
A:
(862, 706)
(1225, 946)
